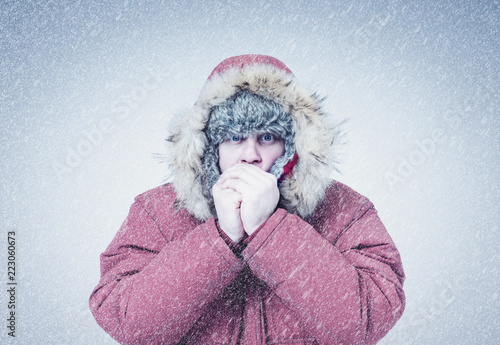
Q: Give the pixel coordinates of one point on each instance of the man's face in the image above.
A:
(261, 150)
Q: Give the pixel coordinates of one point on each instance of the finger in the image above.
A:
(247, 167)
(246, 189)
(228, 197)
(238, 185)
(223, 190)
(249, 173)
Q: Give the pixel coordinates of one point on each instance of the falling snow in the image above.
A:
(89, 89)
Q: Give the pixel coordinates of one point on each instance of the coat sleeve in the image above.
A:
(155, 286)
(343, 281)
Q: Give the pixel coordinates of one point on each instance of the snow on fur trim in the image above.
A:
(314, 136)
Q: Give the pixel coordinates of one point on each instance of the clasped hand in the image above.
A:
(245, 196)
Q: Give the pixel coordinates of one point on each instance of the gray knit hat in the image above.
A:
(243, 114)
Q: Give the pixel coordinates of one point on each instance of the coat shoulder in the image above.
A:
(340, 207)
(161, 205)
(342, 197)
(161, 196)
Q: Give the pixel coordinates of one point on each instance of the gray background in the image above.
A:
(88, 90)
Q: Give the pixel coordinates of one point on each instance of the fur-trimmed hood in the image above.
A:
(270, 78)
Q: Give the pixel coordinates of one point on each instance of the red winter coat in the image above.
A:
(168, 278)
(321, 270)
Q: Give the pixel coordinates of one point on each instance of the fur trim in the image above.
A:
(314, 138)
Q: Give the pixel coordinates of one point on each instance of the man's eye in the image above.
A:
(267, 137)
(235, 138)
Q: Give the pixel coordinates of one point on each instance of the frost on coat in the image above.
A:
(168, 278)
(321, 270)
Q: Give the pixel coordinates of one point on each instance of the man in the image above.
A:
(252, 242)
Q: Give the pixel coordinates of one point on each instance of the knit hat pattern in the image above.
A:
(244, 114)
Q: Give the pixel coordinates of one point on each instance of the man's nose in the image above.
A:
(250, 152)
